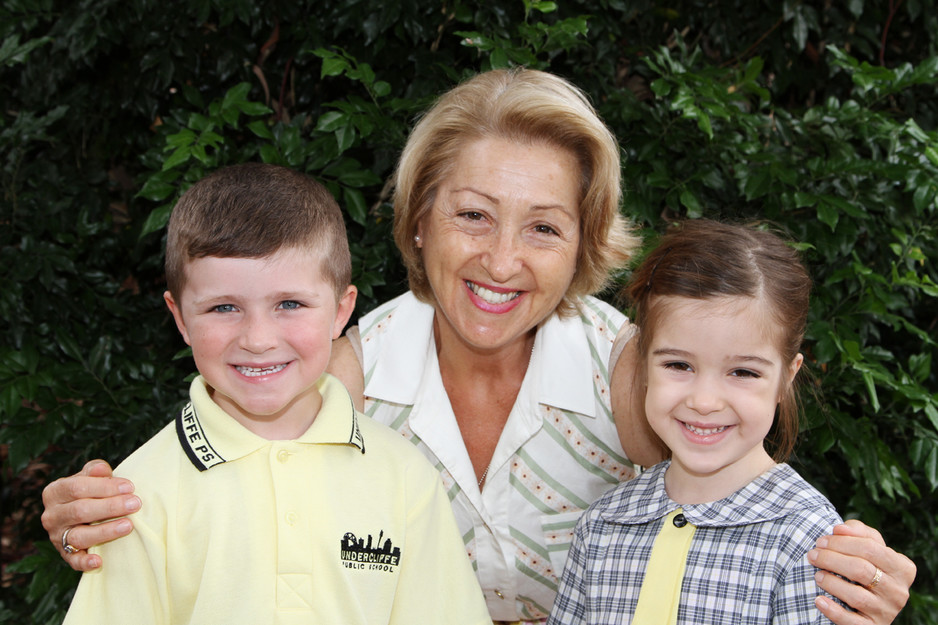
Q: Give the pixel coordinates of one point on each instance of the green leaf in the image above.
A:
(827, 214)
(690, 202)
(355, 205)
(345, 137)
(156, 220)
(331, 120)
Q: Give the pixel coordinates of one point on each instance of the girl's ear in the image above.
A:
(793, 369)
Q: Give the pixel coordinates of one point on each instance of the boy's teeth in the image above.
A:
(492, 297)
(704, 431)
(253, 372)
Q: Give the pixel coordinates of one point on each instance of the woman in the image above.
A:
(497, 363)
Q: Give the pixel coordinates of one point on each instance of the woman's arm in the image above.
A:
(346, 365)
(89, 496)
(856, 552)
(639, 441)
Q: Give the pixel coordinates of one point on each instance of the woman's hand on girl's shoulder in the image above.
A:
(883, 576)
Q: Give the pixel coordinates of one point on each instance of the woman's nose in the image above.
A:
(504, 258)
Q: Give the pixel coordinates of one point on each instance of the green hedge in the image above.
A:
(818, 117)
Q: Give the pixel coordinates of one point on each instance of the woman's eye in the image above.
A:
(545, 229)
(224, 308)
(472, 215)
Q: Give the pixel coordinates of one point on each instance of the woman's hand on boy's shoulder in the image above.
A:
(883, 576)
(90, 496)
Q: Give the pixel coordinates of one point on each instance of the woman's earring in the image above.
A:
(417, 239)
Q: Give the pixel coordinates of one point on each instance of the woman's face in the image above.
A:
(500, 241)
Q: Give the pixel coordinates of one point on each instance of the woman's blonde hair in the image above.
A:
(524, 106)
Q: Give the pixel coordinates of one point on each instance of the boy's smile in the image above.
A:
(261, 332)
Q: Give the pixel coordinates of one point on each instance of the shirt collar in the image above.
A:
(776, 493)
(210, 437)
(561, 350)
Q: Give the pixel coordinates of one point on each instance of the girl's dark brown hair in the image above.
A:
(704, 259)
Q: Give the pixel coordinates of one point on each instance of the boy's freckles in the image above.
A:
(261, 333)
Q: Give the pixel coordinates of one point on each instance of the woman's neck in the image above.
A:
(460, 360)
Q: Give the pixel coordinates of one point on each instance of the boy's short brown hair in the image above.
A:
(254, 210)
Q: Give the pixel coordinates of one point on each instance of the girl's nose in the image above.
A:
(704, 398)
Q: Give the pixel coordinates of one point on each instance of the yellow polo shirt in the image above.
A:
(347, 524)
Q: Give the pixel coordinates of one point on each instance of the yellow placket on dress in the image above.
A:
(660, 595)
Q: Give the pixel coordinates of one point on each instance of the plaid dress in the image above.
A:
(746, 564)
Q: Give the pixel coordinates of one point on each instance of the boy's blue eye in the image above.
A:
(290, 305)
(224, 308)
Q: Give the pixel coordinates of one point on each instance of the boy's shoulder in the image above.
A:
(155, 461)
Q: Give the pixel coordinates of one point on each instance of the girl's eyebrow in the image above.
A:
(753, 358)
(680, 353)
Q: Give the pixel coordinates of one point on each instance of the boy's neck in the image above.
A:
(289, 423)
(687, 487)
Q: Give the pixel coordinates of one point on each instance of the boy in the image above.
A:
(269, 499)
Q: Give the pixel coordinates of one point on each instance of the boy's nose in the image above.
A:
(258, 336)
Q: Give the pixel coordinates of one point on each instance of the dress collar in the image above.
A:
(776, 493)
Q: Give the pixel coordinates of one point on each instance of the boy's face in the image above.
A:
(261, 332)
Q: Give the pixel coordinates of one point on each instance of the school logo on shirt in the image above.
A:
(358, 553)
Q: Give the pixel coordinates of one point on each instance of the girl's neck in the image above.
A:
(687, 487)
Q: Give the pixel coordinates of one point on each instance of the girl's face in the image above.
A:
(715, 377)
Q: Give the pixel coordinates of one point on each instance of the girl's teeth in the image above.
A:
(704, 431)
(253, 372)
(492, 297)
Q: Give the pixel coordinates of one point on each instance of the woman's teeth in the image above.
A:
(253, 372)
(704, 431)
(492, 297)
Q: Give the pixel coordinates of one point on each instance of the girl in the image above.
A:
(719, 533)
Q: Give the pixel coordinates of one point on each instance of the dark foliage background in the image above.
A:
(817, 116)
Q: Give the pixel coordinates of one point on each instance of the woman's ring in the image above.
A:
(876, 579)
(72, 549)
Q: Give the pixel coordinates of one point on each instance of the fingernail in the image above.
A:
(821, 601)
(822, 542)
(812, 556)
(132, 504)
(125, 488)
(819, 577)
(123, 525)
